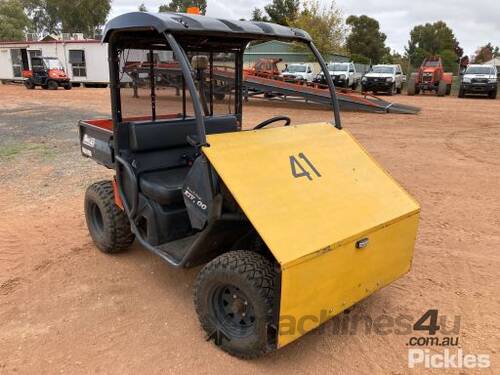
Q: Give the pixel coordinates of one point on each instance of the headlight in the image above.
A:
(492, 80)
(389, 79)
(343, 76)
(466, 80)
(364, 79)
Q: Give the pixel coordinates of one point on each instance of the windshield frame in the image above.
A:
(332, 67)
(489, 68)
(391, 69)
(289, 69)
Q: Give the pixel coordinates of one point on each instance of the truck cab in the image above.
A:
(479, 79)
(299, 72)
(385, 78)
(343, 75)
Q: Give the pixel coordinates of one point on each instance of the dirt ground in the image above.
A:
(67, 308)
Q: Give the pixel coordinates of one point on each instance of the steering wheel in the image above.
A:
(274, 119)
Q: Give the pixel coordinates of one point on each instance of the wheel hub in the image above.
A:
(233, 310)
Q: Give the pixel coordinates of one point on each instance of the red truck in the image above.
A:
(431, 77)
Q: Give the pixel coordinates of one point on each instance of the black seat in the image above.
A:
(164, 187)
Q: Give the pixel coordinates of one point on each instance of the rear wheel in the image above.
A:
(107, 223)
(29, 84)
(68, 86)
(234, 298)
(52, 85)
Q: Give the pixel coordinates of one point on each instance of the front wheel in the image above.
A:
(493, 94)
(107, 223)
(68, 86)
(52, 85)
(234, 296)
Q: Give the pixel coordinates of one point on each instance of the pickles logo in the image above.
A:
(447, 359)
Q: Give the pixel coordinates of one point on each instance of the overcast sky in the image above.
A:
(474, 22)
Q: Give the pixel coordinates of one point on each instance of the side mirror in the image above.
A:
(398, 73)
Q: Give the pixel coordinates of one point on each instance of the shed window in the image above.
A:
(77, 61)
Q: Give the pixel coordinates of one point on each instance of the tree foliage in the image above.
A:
(182, 5)
(365, 39)
(485, 53)
(142, 8)
(282, 12)
(13, 21)
(259, 15)
(325, 25)
(54, 16)
(434, 39)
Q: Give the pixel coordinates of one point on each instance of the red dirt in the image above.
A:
(67, 308)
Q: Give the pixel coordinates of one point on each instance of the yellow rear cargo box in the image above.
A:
(337, 223)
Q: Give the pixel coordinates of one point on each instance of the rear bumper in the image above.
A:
(480, 88)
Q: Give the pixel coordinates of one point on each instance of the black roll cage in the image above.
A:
(190, 84)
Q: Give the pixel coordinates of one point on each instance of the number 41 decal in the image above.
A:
(299, 171)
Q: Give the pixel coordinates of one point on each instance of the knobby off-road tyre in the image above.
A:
(52, 85)
(107, 223)
(29, 84)
(67, 86)
(411, 89)
(234, 296)
(442, 89)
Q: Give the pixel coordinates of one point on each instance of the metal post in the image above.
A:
(114, 84)
(152, 82)
(188, 77)
(331, 86)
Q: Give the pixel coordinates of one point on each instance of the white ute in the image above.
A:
(386, 78)
(301, 72)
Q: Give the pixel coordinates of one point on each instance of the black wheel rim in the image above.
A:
(233, 311)
(96, 220)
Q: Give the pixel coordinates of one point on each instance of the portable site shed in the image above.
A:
(84, 61)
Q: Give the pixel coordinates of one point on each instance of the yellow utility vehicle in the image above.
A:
(292, 224)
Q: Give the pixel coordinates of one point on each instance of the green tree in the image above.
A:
(259, 15)
(434, 39)
(366, 39)
(53, 16)
(142, 8)
(325, 25)
(485, 53)
(13, 21)
(182, 5)
(283, 11)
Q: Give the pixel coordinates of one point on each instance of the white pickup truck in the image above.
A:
(343, 75)
(301, 72)
(479, 79)
(386, 78)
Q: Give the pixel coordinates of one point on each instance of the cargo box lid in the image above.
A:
(307, 188)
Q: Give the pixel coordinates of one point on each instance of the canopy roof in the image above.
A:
(190, 24)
